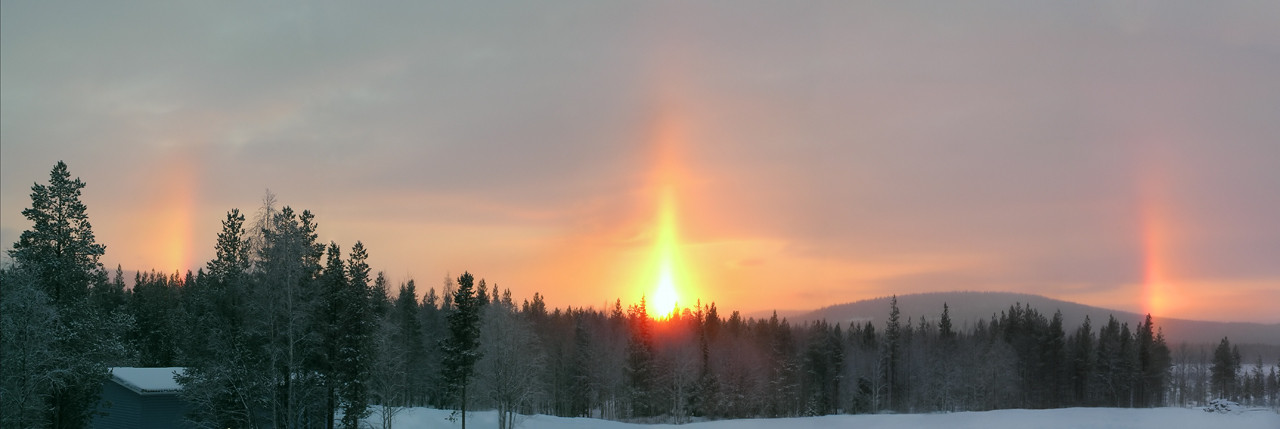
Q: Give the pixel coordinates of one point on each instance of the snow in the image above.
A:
(1116, 418)
(147, 380)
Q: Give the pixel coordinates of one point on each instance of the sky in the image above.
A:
(761, 155)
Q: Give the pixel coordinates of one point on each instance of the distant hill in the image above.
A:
(968, 307)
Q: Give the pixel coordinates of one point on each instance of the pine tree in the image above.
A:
(460, 354)
(59, 248)
(59, 256)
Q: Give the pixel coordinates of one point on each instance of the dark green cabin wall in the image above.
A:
(130, 410)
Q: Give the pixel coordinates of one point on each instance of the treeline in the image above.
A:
(282, 330)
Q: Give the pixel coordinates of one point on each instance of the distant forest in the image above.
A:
(283, 330)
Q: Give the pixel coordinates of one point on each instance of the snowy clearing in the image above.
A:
(1116, 418)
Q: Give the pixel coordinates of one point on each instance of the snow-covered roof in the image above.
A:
(146, 381)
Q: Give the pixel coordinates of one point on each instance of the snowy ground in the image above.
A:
(1115, 418)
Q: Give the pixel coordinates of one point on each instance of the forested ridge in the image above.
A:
(284, 330)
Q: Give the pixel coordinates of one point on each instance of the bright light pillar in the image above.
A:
(665, 297)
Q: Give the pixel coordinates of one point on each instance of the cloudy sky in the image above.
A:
(793, 154)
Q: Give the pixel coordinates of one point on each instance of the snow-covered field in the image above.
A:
(1116, 418)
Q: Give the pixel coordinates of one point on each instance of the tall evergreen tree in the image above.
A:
(945, 333)
(890, 356)
(59, 248)
(354, 353)
(409, 336)
(59, 255)
(1226, 366)
(154, 304)
(329, 325)
(1154, 361)
(640, 365)
(460, 349)
(225, 365)
(111, 297)
(1081, 363)
(1110, 365)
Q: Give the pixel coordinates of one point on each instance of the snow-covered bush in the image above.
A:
(1223, 406)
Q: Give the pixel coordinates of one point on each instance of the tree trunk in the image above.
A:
(328, 424)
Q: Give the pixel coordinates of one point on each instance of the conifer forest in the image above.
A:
(284, 329)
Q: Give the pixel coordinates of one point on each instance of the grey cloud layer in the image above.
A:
(855, 132)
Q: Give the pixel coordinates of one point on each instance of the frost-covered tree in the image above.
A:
(389, 360)
(285, 295)
(508, 372)
(28, 328)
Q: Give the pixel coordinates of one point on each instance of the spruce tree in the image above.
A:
(1226, 366)
(890, 354)
(408, 337)
(640, 366)
(329, 325)
(224, 379)
(945, 333)
(1082, 363)
(460, 349)
(357, 326)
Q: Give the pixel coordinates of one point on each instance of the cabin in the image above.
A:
(141, 398)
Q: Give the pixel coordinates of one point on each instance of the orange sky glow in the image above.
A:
(768, 156)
